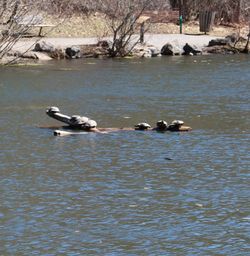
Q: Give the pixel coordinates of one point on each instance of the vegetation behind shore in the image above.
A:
(118, 19)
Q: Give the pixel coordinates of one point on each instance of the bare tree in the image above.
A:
(11, 13)
(10, 32)
(17, 18)
(226, 10)
(123, 19)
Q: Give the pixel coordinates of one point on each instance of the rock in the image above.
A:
(154, 51)
(232, 38)
(145, 51)
(100, 52)
(170, 50)
(29, 55)
(44, 47)
(141, 53)
(219, 49)
(104, 44)
(167, 49)
(86, 51)
(52, 52)
(231, 44)
(189, 50)
(218, 41)
(73, 52)
(240, 44)
(14, 53)
(42, 56)
(93, 51)
(57, 54)
(5, 33)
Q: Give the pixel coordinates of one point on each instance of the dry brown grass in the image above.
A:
(97, 26)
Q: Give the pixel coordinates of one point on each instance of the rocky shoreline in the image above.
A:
(154, 46)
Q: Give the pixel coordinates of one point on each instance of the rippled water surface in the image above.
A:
(130, 192)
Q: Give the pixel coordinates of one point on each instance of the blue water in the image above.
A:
(130, 192)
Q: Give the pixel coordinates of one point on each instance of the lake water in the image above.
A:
(130, 192)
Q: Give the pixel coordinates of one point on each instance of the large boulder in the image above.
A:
(86, 51)
(49, 51)
(220, 49)
(142, 53)
(154, 51)
(93, 50)
(44, 47)
(231, 44)
(73, 52)
(218, 42)
(170, 49)
(167, 49)
(145, 51)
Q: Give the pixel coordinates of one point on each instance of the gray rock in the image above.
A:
(93, 51)
(44, 47)
(167, 49)
(145, 51)
(171, 49)
(73, 52)
(232, 38)
(218, 41)
(42, 56)
(219, 49)
(142, 53)
(14, 53)
(58, 54)
(154, 51)
(30, 55)
(104, 44)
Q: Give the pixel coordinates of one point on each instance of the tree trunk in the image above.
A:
(237, 14)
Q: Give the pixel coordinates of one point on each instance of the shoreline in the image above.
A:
(28, 50)
(157, 40)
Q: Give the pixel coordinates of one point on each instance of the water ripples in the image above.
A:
(128, 193)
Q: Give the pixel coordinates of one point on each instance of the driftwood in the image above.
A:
(88, 125)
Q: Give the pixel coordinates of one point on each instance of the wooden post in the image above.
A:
(142, 33)
(141, 21)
